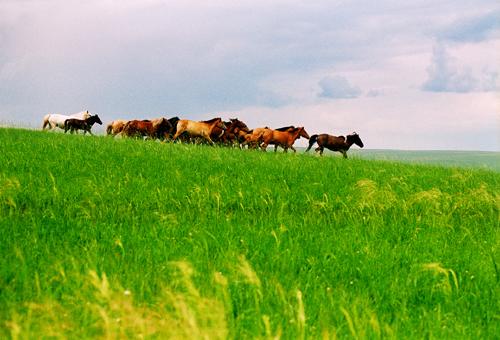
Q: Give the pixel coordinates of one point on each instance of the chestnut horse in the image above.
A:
(254, 137)
(74, 124)
(199, 129)
(285, 139)
(334, 143)
(157, 128)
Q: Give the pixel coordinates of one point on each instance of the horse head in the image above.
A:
(220, 124)
(303, 133)
(95, 119)
(238, 124)
(354, 137)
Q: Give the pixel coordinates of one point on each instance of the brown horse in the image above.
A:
(240, 136)
(254, 137)
(199, 129)
(334, 143)
(157, 128)
(115, 127)
(234, 129)
(74, 124)
(285, 139)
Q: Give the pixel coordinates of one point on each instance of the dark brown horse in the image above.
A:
(285, 139)
(74, 124)
(173, 121)
(235, 128)
(334, 143)
(158, 128)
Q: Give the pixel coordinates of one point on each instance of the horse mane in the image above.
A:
(238, 123)
(284, 128)
(211, 120)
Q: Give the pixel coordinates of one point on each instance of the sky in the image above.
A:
(404, 75)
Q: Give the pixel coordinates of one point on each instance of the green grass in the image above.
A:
(114, 238)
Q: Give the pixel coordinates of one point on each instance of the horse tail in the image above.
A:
(109, 128)
(312, 140)
(45, 121)
(66, 126)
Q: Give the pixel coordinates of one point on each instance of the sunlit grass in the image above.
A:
(116, 238)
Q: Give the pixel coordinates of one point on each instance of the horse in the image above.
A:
(115, 127)
(173, 121)
(254, 137)
(334, 143)
(74, 124)
(157, 128)
(199, 129)
(240, 136)
(235, 128)
(53, 120)
(163, 127)
(285, 139)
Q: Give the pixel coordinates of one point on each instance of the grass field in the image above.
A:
(123, 238)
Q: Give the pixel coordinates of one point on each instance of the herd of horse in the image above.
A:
(214, 131)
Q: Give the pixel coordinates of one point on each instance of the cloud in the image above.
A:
(375, 93)
(445, 76)
(337, 87)
(473, 28)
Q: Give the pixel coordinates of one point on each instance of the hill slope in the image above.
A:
(115, 238)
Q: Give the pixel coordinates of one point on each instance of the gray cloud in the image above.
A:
(337, 87)
(473, 28)
(444, 76)
(158, 56)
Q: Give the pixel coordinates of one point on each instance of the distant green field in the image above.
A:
(487, 160)
(473, 159)
(117, 238)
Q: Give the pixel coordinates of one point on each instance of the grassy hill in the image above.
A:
(120, 238)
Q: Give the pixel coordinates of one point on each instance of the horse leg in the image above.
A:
(291, 147)
(344, 153)
(275, 147)
(177, 134)
(207, 137)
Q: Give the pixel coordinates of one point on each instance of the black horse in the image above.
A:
(334, 143)
(74, 124)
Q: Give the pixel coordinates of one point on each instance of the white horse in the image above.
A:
(57, 120)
